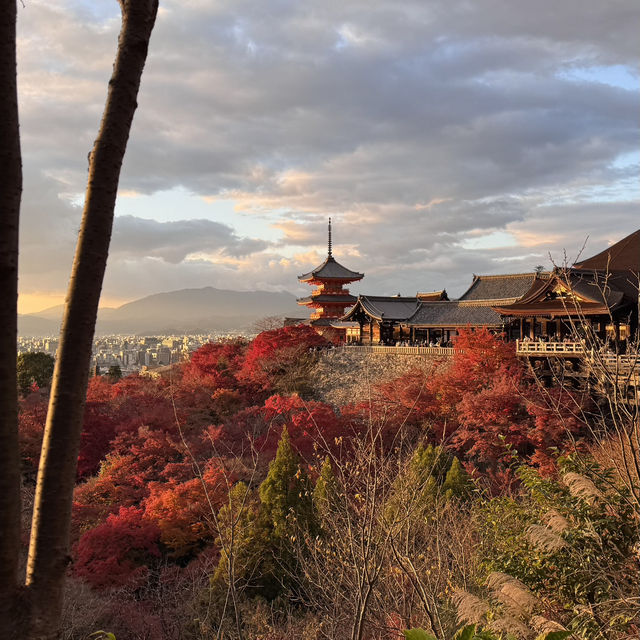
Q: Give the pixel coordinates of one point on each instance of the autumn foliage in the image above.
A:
(275, 359)
(161, 459)
(117, 552)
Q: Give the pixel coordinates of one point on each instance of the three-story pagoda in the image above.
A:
(330, 298)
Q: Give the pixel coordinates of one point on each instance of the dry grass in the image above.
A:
(509, 624)
(544, 538)
(470, 608)
(544, 625)
(512, 593)
(556, 521)
(582, 487)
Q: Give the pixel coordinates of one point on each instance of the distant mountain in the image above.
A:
(32, 326)
(183, 311)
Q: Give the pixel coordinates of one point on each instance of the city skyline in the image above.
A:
(443, 140)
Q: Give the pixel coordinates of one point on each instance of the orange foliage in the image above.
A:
(183, 511)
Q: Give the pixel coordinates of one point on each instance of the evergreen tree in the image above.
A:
(458, 483)
(428, 462)
(34, 368)
(285, 494)
(114, 373)
(326, 490)
(286, 506)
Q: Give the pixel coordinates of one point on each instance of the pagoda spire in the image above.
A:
(329, 298)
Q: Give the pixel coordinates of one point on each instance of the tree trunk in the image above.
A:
(48, 550)
(10, 194)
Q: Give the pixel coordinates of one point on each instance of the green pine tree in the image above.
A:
(114, 373)
(458, 483)
(34, 368)
(286, 510)
(428, 462)
(285, 494)
(326, 490)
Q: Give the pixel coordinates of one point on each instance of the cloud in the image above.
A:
(175, 241)
(416, 125)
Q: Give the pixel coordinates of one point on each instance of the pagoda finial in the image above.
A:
(329, 237)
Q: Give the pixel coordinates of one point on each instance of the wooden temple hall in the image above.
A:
(599, 294)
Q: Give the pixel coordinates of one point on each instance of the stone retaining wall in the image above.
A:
(345, 375)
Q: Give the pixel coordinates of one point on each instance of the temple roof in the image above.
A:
(385, 307)
(432, 296)
(621, 256)
(323, 322)
(344, 298)
(500, 287)
(344, 324)
(454, 314)
(587, 293)
(330, 269)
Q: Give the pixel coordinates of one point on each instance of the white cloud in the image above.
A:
(367, 111)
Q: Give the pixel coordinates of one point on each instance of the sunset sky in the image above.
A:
(444, 138)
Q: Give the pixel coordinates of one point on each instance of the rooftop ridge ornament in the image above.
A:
(329, 252)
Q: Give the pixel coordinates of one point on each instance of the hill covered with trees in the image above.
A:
(225, 498)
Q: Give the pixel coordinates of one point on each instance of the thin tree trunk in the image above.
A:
(10, 194)
(48, 551)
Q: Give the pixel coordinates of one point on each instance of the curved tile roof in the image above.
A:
(454, 314)
(385, 307)
(596, 296)
(500, 287)
(330, 269)
(432, 296)
(345, 298)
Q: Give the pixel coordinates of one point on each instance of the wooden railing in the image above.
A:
(524, 347)
(620, 364)
(406, 351)
(613, 363)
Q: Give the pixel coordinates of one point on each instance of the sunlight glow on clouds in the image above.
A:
(444, 138)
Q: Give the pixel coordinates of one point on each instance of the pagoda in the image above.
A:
(330, 298)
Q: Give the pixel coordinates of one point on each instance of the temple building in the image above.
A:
(430, 318)
(329, 298)
(598, 295)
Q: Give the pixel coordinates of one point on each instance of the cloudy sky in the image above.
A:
(445, 138)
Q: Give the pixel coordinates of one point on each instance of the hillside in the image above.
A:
(182, 311)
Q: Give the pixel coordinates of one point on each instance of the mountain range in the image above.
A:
(183, 311)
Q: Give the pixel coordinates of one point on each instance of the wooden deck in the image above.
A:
(621, 370)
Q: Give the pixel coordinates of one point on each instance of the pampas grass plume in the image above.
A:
(544, 538)
(582, 487)
(471, 609)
